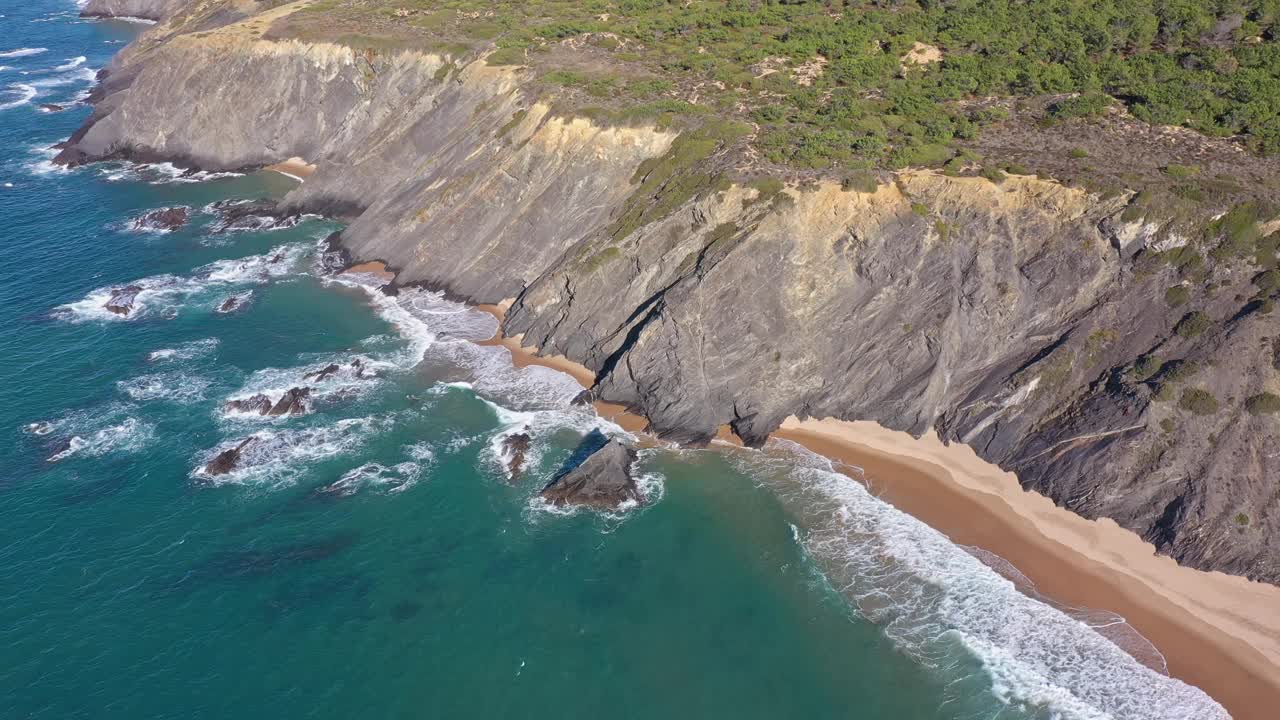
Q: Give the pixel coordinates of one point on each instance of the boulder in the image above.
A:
(260, 404)
(162, 220)
(514, 448)
(603, 481)
(227, 460)
(122, 299)
(293, 402)
(52, 107)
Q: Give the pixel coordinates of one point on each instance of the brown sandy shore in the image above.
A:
(1218, 632)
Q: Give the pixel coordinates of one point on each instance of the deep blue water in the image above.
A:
(373, 559)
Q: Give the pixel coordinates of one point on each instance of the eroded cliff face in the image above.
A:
(1008, 316)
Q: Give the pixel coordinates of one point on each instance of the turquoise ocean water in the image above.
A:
(373, 560)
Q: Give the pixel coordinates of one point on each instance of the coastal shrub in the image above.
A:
(1193, 324)
(1145, 367)
(995, 175)
(1241, 519)
(1181, 172)
(1177, 295)
(1083, 106)
(1268, 280)
(1078, 153)
(1167, 425)
(1264, 403)
(1198, 401)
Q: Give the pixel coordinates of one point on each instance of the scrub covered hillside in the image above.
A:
(862, 85)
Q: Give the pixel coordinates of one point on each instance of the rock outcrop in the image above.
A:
(602, 482)
(229, 459)
(514, 448)
(1024, 318)
(122, 299)
(162, 220)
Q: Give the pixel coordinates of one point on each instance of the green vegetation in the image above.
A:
(1145, 367)
(1263, 404)
(1078, 153)
(1177, 295)
(831, 83)
(1241, 519)
(1181, 172)
(1198, 402)
(1193, 324)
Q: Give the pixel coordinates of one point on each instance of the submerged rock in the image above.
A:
(253, 215)
(229, 459)
(52, 107)
(162, 220)
(514, 448)
(603, 481)
(122, 299)
(234, 303)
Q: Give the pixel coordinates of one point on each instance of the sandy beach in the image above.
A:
(294, 167)
(1218, 632)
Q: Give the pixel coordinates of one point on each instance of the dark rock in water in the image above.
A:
(122, 299)
(514, 448)
(357, 367)
(254, 215)
(162, 220)
(322, 373)
(227, 460)
(603, 481)
(58, 447)
(584, 398)
(52, 107)
(260, 404)
(234, 303)
(293, 402)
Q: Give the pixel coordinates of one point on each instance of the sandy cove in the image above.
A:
(1218, 632)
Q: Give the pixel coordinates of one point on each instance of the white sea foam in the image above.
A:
(165, 295)
(17, 95)
(22, 52)
(162, 173)
(127, 436)
(185, 351)
(391, 479)
(348, 382)
(277, 456)
(70, 64)
(175, 387)
(945, 608)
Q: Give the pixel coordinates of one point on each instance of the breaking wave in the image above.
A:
(951, 612)
(22, 52)
(165, 295)
(91, 433)
(186, 351)
(17, 95)
(278, 456)
(175, 387)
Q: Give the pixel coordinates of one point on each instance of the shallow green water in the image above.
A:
(374, 560)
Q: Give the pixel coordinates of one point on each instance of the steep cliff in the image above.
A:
(1039, 323)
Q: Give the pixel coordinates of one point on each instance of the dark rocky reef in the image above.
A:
(514, 448)
(162, 220)
(229, 459)
(295, 401)
(122, 299)
(603, 481)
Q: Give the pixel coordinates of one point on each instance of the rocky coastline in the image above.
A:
(1018, 317)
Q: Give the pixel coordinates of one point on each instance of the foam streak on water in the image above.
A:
(945, 608)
